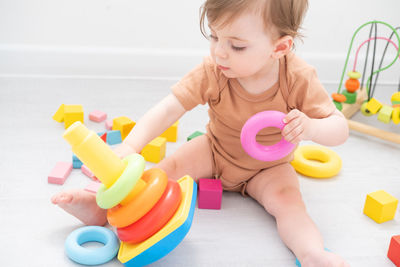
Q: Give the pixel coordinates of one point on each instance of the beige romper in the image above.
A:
(230, 106)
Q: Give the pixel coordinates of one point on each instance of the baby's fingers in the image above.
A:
(293, 114)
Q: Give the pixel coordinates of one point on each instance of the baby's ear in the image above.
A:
(282, 46)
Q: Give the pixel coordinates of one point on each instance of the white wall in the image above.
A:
(131, 38)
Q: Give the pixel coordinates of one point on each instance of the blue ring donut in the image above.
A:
(91, 256)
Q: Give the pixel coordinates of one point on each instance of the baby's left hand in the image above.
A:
(297, 128)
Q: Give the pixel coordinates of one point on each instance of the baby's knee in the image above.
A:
(283, 200)
(170, 165)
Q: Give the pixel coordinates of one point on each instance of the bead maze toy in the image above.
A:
(357, 97)
(160, 208)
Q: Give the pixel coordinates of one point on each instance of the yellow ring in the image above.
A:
(316, 161)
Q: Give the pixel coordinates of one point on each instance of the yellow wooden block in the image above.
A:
(124, 124)
(373, 105)
(396, 115)
(72, 113)
(380, 206)
(171, 133)
(155, 150)
(59, 115)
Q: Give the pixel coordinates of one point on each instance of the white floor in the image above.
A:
(33, 231)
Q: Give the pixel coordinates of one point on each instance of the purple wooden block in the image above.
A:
(210, 194)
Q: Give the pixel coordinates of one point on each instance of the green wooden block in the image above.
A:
(194, 135)
(385, 114)
(350, 97)
(338, 105)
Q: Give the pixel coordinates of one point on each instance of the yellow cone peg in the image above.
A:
(94, 153)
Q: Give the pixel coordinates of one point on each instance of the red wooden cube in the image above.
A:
(394, 250)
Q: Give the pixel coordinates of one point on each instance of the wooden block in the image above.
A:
(171, 133)
(97, 116)
(60, 173)
(72, 113)
(194, 135)
(109, 124)
(210, 194)
(85, 170)
(76, 162)
(123, 124)
(93, 187)
(114, 137)
(394, 250)
(380, 206)
(59, 115)
(155, 150)
(104, 137)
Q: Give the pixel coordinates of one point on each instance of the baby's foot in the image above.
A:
(323, 259)
(82, 205)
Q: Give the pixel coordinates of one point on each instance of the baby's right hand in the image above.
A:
(124, 150)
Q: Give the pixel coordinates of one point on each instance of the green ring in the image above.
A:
(111, 197)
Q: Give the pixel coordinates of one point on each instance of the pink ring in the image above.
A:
(255, 124)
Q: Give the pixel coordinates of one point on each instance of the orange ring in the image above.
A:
(124, 215)
(339, 97)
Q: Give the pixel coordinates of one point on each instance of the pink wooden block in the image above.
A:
(109, 125)
(88, 172)
(59, 173)
(93, 187)
(210, 194)
(97, 116)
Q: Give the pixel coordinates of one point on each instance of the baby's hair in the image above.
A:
(285, 15)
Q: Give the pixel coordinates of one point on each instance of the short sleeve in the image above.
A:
(199, 86)
(308, 94)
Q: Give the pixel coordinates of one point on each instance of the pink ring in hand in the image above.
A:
(255, 124)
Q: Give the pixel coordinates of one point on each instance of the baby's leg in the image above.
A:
(277, 189)
(193, 158)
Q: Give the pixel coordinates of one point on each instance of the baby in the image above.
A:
(251, 68)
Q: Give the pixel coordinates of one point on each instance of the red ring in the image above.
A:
(156, 218)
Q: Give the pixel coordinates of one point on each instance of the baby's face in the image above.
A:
(242, 48)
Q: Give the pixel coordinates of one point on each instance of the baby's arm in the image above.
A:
(152, 124)
(330, 131)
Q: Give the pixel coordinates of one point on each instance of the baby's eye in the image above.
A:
(212, 37)
(238, 48)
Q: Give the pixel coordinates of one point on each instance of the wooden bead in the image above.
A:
(352, 85)
(385, 114)
(373, 105)
(338, 97)
(395, 98)
(350, 97)
(354, 75)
